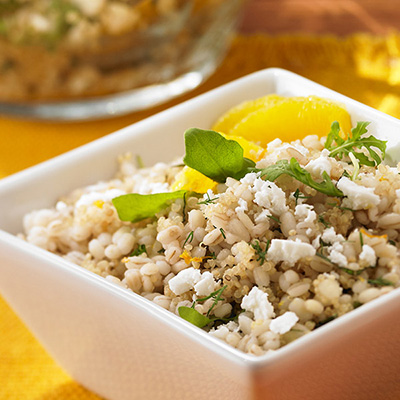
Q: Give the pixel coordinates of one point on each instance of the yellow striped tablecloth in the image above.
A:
(363, 67)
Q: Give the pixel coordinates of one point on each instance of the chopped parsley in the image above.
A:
(209, 200)
(189, 238)
(139, 250)
(297, 195)
(380, 282)
(191, 315)
(260, 253)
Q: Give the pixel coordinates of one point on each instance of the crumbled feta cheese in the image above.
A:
(305, 213)
(242, 207)
(330, 236)
(191, 278)
(249, 179)
(368, 255)
(316, 243)
(398, 193)
(284, 323)
(88, 199)
(144, 186)
(205, 285)
(358, 197)
(289, 250)
(271, 146)
(336, 256)
(319, 165)
(184, 281)
(257, 302)
(61, 205)
(262, 216)
(270, 196)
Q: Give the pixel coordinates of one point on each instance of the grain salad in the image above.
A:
(285, 239)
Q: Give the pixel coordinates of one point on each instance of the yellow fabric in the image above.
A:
(363, 67)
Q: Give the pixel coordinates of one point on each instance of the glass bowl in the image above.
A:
(78, 59)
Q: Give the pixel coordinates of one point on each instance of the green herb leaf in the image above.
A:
(193, 316)
(209, 200)
(138, 251)
(325, 321)
(343, 147)
(361, 239)
(323, 222)
(189, 238)
(352, 272)
(135, 207)
(261, 254)
(298, 196)
(294, 170)
(380, 282)
(214, 156)
(357, 304)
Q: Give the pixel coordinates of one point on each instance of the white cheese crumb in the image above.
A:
(398, 193)
(284, 323)
(330, 236)
(257, 302)
(270, 196)
(88, 199)
(205, 285)
(271, 146)
(184, 281)
(319, 165)
(305, 212)
(368, 255)
(242, 207)
(336, 255)
(358, 197)
(191, 278)
(144, 186)
(262, 216)
(61, 205)
(289, 251)
(249, 179)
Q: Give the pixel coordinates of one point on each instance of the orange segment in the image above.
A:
(236, 114)
(286, 118)
(190, 179)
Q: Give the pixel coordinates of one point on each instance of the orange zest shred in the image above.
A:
(370, 235)
(98, 203)
(188, 258)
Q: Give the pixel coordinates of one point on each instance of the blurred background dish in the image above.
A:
(78, 59)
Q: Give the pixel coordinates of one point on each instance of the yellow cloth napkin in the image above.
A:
(363, 67)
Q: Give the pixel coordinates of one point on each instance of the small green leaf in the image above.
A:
(380, 282)
(294, 170)
(211, 154)
(135, 207)
(355, 141)
(193, 316)
(138, 251)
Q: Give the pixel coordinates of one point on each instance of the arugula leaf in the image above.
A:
(355, 141)
(294, 170)
(193, 316)
(214, 156)
(135, 207)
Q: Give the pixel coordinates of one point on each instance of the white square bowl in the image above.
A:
(123, 346)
